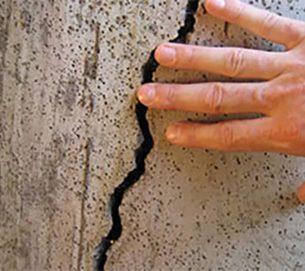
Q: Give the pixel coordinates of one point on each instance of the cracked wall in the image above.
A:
(68, 72)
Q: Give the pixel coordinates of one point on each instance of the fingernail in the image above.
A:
(218, 3)
(167, 54)
(147, 94)
(173, 132)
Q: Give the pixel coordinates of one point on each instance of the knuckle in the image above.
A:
(238, 12)
(290, 27)
(186, 56)
(270, 21)
(286, 131)
(170, 96)
(214, 97)
(300, 89)
(191, 52)
(292, 130)
(296, 63)
(294, 94)
(235, 63)
(227, 138)
(265, 97)
(295, 30)
(294, 88)
(289, 130)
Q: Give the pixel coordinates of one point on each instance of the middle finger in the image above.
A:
(232, 62)
(213, 98)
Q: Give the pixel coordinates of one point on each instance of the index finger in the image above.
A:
(286, 31)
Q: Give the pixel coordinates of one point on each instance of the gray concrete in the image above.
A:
(68, 74)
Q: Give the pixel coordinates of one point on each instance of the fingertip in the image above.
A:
(301, 194)
(146, 94)
(166, 54)
(173, 133)
(158, 52)
(214, 5)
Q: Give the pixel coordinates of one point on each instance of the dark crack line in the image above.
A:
(144, 149)
(4, 32)
(88, 149)
(226, 28)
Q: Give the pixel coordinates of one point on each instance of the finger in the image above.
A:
(266, 24)
(301, 193)
(238, 135)
(214, 98)
(233, 62)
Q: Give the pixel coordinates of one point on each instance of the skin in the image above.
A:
(279, 94)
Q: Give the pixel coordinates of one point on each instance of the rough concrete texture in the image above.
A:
(68, 73)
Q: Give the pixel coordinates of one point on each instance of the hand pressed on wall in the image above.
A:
(280, 96)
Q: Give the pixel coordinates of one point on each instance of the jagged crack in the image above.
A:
(143, 150)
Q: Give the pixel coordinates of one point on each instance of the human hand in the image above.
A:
(280, 97)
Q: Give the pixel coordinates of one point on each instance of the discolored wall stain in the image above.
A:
(68, 134)
(70, 93)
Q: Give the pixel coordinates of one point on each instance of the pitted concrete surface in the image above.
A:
(68, 75)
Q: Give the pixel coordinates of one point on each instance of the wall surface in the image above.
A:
(68, 73)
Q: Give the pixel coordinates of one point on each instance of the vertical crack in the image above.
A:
(4, 35)
(91, 61)
(88, 148)
(144, 149)
(226, 28)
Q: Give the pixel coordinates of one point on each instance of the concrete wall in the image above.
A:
(68, 74)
